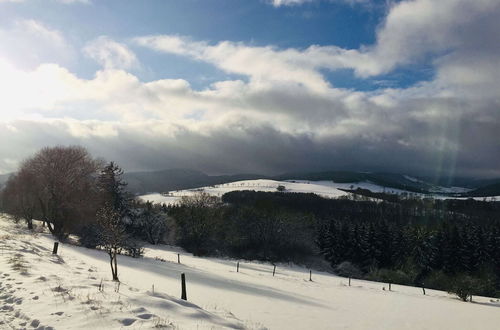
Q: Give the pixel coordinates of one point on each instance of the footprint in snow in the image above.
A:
(7, 308)
(139, 310)
(127, 322)
(145, 316)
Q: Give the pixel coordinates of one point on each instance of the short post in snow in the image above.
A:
(274, 270)
(349, 281)
(310, 275)
(238, 267)
(390, 286)
(178, 258)
(423, 289)
(183, 286)
(56, 246)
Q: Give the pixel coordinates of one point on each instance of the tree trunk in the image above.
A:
(51, 228)
(114, 265)
(116, 270)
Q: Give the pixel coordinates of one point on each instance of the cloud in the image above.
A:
(66, 2)
(281, 113)
(246, 129)
(280, 3)
(30, 42)
(265, 66)
(111, 54)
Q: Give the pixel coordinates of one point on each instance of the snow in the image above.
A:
(61, 292)
(327, 189)
(322, 188)
(412, 179)
(159, 199)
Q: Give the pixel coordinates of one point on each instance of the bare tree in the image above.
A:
(64, 184)
(113, 235)
(19, 197)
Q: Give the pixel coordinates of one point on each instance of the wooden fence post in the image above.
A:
(274, 270)
(183, 286)
(310, 275)
(390, 286)
(56, 246)
(178, 258)
(349, 281)
(238, 267)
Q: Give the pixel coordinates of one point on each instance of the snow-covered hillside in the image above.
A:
(42, 291)
(327, 189)
(322, 188)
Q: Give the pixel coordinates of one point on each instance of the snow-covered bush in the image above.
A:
(133, 248)
(149, 222)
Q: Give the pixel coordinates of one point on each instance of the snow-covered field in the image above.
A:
(327, 189)
(42, 291)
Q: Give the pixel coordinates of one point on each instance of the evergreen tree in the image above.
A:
(112, 189)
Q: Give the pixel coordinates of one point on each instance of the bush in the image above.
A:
(347, 269)
(390, 276)
(134, 249)
(90, 236)
(438, 280)
(464, 286)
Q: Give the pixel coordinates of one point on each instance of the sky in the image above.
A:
(255, 86)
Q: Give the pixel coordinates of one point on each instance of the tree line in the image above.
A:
(447, 245)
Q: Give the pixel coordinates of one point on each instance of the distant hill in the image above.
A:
(485, 191)
(390, 180)
(176, 179)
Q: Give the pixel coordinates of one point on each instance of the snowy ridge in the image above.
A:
(328, 189)
(61, 292)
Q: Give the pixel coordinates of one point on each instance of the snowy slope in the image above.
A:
(322, 188)
(43, 291)
(328, 189)
(61, 292)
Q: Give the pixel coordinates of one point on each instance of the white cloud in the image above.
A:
(111, 54)
(28, 43)
(283, 110)
(67, 2)
(280, 3)
(74, 1)
(265, 66)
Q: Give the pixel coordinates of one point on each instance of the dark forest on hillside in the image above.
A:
(439, 244)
